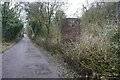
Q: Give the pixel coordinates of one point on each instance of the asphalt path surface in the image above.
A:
(25, 60)
(0, 66)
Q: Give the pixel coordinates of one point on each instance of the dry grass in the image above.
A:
(90, 56)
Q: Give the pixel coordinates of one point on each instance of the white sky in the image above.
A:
(74, 6)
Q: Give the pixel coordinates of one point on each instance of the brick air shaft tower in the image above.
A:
(70, 29)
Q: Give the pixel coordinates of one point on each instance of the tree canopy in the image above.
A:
(11, 23)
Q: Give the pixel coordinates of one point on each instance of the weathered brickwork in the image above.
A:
(70, 29)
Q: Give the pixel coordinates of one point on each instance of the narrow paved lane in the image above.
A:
(24, 60)
(0, 66)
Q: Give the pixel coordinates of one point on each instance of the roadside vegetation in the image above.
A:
(97, 52)
(11, 25)
(101, 32)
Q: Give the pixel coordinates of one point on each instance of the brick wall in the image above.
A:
(70, 29)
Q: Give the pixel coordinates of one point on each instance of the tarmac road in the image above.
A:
(24, 60)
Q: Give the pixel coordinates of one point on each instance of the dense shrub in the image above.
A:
(96, 52)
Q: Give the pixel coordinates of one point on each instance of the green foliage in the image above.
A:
(100, 39)
(11, 24)
(100, 14)
(36, 18)
(98, 49)
(44, 18)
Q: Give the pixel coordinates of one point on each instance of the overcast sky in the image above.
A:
(74, 6)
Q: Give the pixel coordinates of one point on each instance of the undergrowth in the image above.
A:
(94, 54)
